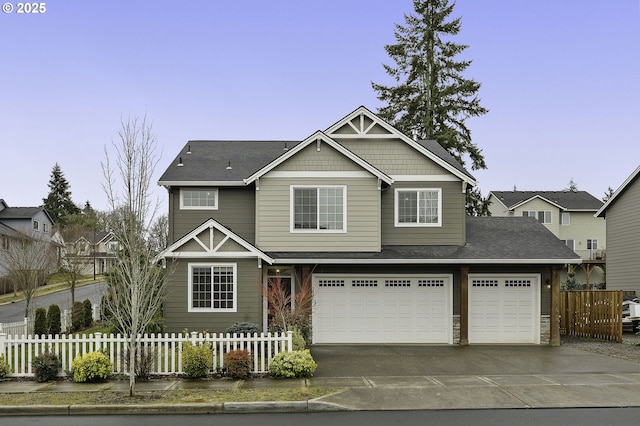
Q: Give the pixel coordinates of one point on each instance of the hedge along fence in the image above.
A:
(591, 313)
(164, 350)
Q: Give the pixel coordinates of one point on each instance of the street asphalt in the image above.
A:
(381, 377)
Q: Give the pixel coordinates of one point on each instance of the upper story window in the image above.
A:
(565, 218)
(213, 287)
(36, 225)
(198, 199)
(45, 228)
(318, 208)
(569, 243)
(543, 216)
(592, 244)
(418, 207)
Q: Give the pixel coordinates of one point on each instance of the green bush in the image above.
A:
(91, 367)
(40, 322)
(87, 314)
(299, 344)
(243, 328)
(197, 360)
(54, 321)
(238, 364)
(4, 367)
(293, 364)
(46, 366)
(77, 316)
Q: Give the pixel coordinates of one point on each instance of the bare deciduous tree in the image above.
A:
(136, 284)
(76, 254)
(29, 259)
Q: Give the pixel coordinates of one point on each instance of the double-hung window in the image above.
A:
(198, 199)
(318, 208)
(213, 287)
(543, 216)
(418, 207)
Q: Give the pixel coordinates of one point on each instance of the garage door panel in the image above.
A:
(399, 309)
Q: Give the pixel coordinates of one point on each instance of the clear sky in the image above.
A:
(561, 80)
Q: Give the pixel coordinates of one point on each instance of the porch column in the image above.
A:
(464, 306)
(554, 317)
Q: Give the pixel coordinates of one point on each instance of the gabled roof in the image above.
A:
(603, 210)
(490, 240)
(320, 137)
(369, 124)
(219, 239)
(237, 163)
(564, 200)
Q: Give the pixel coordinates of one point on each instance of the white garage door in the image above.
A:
(504, 308)
(382, 309)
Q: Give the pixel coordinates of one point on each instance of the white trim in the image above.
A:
(424, 178)
(317, 174)
(198, 183)
(399, 224)
(190, 267)
(515, 206)
(292, 228)
(400, 261)
(602, 211)
(184, 190)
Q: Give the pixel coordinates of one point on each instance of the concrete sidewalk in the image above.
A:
(402, 378)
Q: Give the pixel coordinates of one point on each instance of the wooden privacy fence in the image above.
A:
(163, 352)
(596, 314)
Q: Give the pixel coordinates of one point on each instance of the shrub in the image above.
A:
(4, 367)
(91, 367)
(144, 361)
(87, 314)
(299, 344)
(54, 322)
(40, 322)
(243, 328)
(77, 316)
(46, 366)
(238, 364)
(293, 364)
(197, 360)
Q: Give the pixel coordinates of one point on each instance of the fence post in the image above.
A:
(98, 338)
(3, 338)
(289, 341)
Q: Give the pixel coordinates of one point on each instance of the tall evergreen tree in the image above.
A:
(58, 203)
(432, 99)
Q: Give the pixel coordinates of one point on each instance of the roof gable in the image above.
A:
(564, 200)
(602, 211)
(211, 240)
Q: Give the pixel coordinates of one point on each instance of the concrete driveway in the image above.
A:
(478, 360)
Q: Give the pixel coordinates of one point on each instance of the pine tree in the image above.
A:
(58, 203)
(432, 99)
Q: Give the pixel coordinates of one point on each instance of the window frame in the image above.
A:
(183, 191)
(317, 230)
(211, 265)
(566, 215)
(590, 244)
(36, 225)
(396, 212)
(536, 214)
(572, 246)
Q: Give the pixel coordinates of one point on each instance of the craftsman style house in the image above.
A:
(623, 236)
(570, 216)
(374, 220)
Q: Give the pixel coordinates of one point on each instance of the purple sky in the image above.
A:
(561, 80)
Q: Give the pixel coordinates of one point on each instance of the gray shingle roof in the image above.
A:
(439, 151)
(570, 200)
(209, 160)
(19, 212)
(489, 240)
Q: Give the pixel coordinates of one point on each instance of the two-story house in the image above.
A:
(375, 220)
(623, 235)
(570, 216)
(96, 251)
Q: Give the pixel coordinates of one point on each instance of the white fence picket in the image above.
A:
(165, 349)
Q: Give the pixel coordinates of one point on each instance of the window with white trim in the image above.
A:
(36, 225)
(592, 244)
(198, 199)
(569, 243)
(565, 218)
(543, 216)
(418, 207)
(45, 228)
(318, 208)
(213, 287)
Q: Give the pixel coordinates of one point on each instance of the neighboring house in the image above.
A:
(623, 235)
(15, 222)
(570, 216)
(97, 250)
(374, 220)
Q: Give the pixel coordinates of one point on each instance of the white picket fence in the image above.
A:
(164, 350)
(26, 325)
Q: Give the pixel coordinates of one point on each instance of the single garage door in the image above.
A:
(504, 308)
(382, 309)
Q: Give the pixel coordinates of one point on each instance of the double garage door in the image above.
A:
(419, 309)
